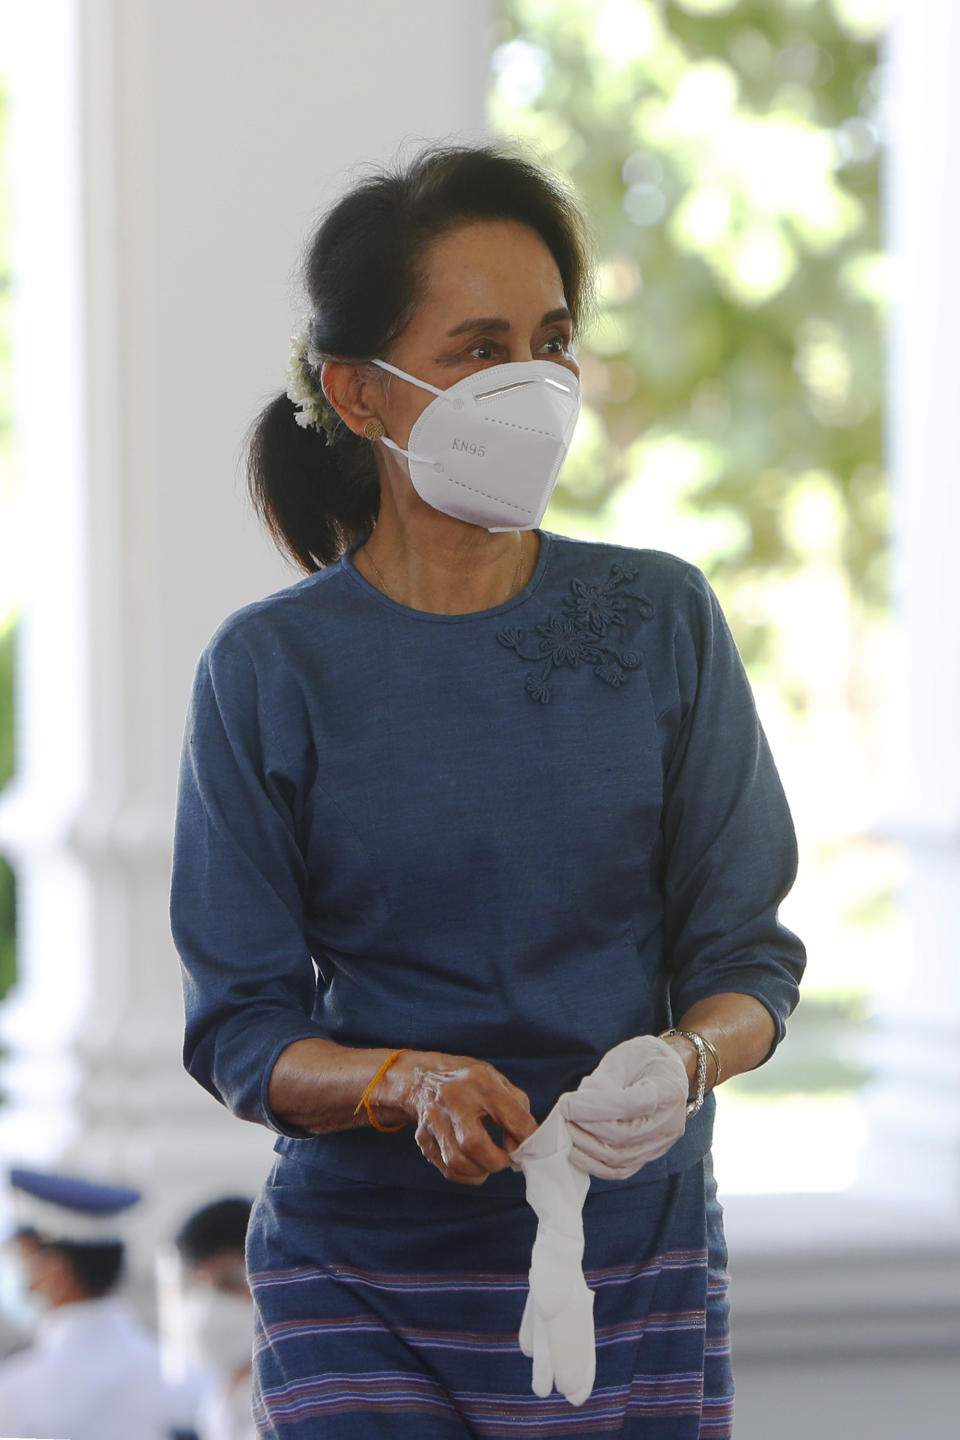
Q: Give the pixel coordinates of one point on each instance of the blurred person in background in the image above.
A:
(475, 823)
(91, 1372)
(217, 1314)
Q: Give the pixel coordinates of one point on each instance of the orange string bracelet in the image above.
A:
(364, 1102)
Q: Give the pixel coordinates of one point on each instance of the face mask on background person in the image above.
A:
(219, 1329)
(489, 449)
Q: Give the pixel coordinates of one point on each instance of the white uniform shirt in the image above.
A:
(92, 1373)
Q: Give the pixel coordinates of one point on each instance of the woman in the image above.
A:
(461, 812)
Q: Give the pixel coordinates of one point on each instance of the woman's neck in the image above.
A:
(430, 561)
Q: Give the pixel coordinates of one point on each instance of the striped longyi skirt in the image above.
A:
(388, 1314)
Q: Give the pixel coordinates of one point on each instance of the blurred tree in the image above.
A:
(727, 154)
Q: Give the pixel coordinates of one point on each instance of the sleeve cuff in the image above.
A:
(242, 1069)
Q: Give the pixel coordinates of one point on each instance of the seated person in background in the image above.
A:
(92, 1372)
(218, 1314)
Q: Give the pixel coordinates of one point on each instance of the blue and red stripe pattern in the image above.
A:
(394, 1313)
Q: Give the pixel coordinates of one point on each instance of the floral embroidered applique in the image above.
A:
(581, 635)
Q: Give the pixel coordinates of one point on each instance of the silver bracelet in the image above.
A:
(716, 1060)
(701, 1081)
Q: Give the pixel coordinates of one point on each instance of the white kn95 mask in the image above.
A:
(489, 449)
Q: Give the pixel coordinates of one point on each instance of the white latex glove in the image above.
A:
(557, 1326)
(629, 1110)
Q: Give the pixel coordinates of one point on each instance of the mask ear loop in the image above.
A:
(457, 403)
(402, 375)
(409, 454)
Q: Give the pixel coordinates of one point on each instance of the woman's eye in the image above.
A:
(557, 344)
(483, 350)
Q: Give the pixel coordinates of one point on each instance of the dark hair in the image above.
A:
(213, 1228)
(362, 275)
(97, 1268)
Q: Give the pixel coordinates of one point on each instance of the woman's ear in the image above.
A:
(349, 389)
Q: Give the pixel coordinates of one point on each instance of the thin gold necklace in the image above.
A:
(514, 583)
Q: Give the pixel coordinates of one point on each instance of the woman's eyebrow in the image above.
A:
(491, 322)
(483, 322)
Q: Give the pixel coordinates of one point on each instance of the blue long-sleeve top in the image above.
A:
(524, 834)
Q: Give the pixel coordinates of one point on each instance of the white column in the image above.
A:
(915, 1103)
(173, 155)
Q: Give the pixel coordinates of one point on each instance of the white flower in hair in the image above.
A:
(313, 408)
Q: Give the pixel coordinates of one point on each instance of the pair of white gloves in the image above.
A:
(631, 1109)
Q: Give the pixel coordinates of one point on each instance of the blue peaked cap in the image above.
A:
(71, 1193)
(68, 1210)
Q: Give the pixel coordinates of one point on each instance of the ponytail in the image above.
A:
(316, 496)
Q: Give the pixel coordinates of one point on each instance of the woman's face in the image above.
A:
(492, 295)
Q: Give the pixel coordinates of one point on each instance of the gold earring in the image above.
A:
(374, 430)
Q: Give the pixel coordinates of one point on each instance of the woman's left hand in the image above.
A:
(629, 1110)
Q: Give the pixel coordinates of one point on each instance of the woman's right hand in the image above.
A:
(452, 1098)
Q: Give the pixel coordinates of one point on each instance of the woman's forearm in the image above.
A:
(316, 1086)
(739, 1027)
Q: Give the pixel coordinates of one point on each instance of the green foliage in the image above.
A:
(727, 154)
